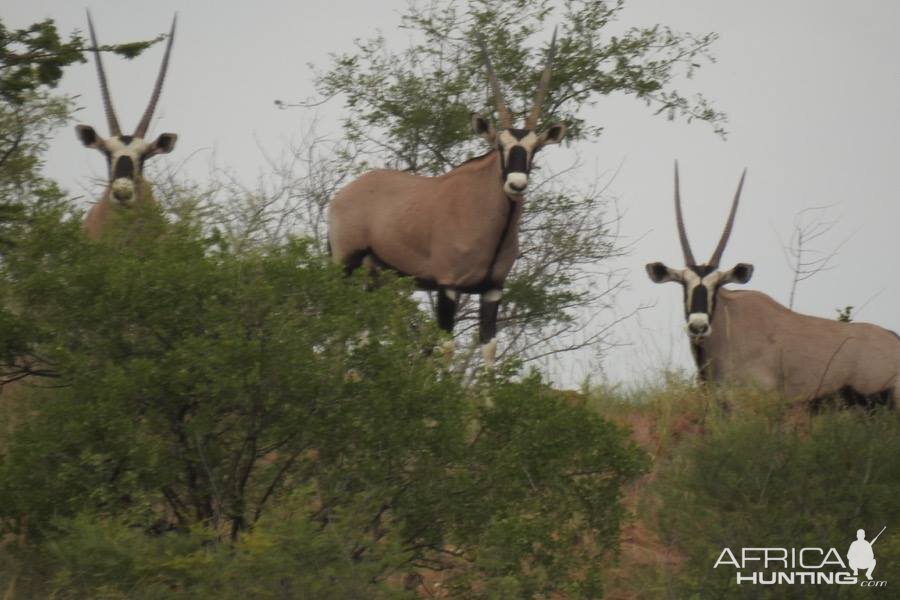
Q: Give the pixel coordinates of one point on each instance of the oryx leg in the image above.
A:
(447, 303)
(487, 325)
(354, 261)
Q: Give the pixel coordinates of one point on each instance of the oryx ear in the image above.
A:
(164, 144)
(554, 134)
(740, 273)
(660, 273)
(483, 127)
(88, 136)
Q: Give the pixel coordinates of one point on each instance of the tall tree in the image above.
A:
(409, 109)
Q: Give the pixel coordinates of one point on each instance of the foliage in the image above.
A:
(772, 480)
(213, 414)
(187, 415)
(413, 106)
(286, 556)
(845, 315)
(33, 59)
(410, 109)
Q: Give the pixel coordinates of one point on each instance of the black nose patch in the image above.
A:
(699, 300)
(124, 167)
(698, 327)
(518, 160)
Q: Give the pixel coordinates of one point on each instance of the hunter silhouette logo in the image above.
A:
(805, 565)
(860, 554)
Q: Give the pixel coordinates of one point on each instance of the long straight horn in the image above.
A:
(104, 88)
(682, 234)
(717, 255)
(532, 120)
(157, 89)
(502, 111)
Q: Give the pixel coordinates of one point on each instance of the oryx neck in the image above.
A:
(477, 163)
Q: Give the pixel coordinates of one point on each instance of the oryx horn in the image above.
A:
(157, 89)
(682, 234)
(717, 254)
(532, 120)
(104, 88)
(502, 110)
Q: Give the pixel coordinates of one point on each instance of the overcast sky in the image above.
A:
(811, 89)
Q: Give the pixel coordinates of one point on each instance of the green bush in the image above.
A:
(780, 480)
(254, 424)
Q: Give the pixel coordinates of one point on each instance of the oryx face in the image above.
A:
(700, 284)
(125, 157)
(126, 154)
(516, 148)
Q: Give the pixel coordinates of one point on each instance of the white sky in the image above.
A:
(811, 89)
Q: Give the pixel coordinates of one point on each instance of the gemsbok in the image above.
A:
(456, 233)
(125, 154)
(746, 337)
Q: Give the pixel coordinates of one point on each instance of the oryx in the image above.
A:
(748, 338)
(125, 154)
(455, 233)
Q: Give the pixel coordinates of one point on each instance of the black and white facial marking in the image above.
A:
(516, 148)
(701, 285)
(125, 157)
(125, 154)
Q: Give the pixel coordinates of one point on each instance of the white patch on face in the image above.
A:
(492, 296)
(712, 280)
(508, 140)
(516, 182)
(123, 190)
(136, 149)
(698, 325)
(690, 278)
(452, 294)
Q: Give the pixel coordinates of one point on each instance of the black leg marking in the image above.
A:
(446, 311)
(487, 319)
(702, 362)
(847, 398)
(353, 262)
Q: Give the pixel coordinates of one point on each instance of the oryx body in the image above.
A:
(125, 154)
(757, 341)
(423, 227)
(454, 233)
(746, 337)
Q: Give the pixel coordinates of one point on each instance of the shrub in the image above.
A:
(773, 480)
(255, 424)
